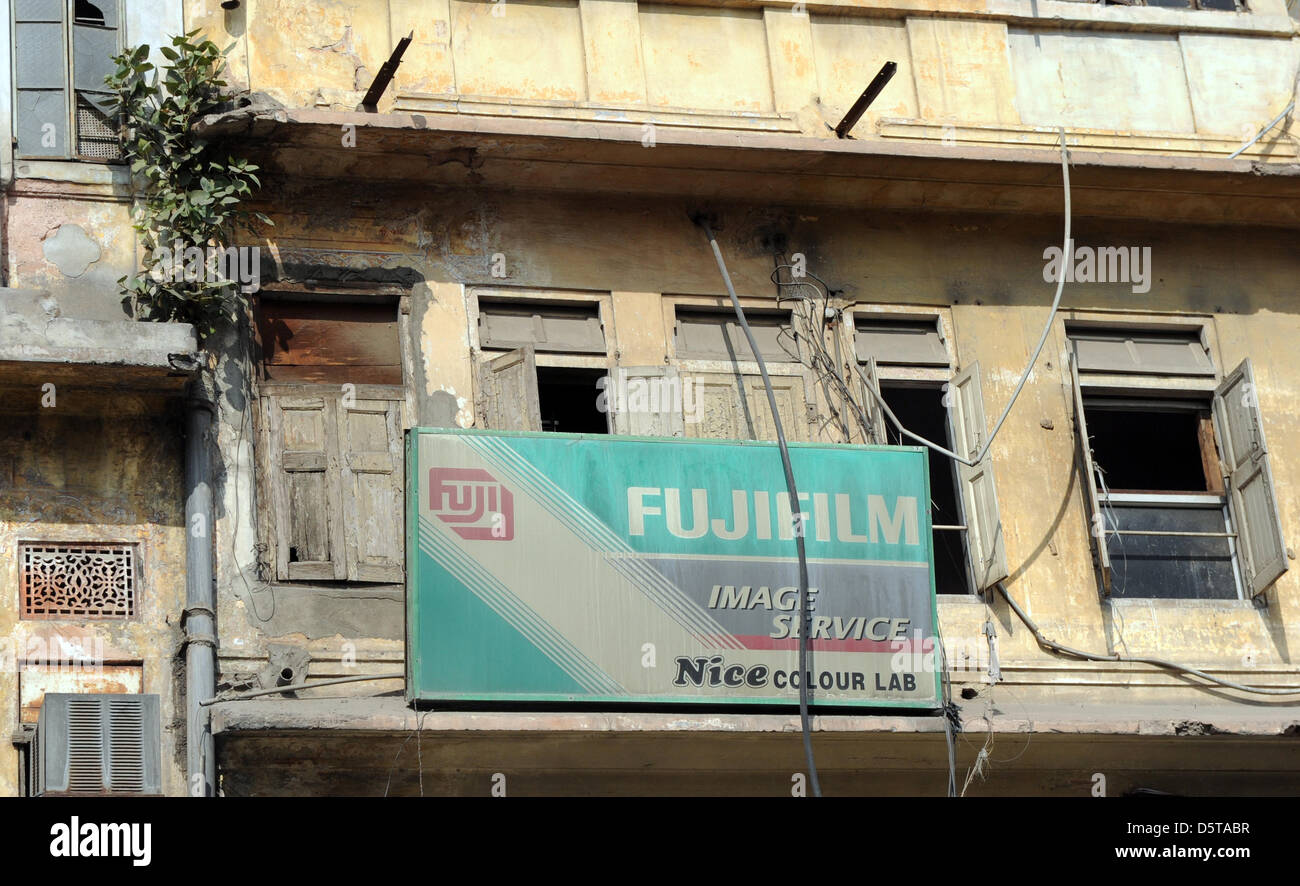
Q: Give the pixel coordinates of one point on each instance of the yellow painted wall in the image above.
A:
(1120, 78)
(968, 72)
(985, 274)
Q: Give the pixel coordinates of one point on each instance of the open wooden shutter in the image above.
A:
(508, 396)
(1096, 518)
(984, 539)
(871, 404)
(646, 401)
(370, 443)
(1252, 496)
(301, 434)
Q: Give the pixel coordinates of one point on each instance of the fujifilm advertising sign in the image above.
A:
(557, 568)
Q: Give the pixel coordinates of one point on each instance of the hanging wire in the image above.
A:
(805, 725)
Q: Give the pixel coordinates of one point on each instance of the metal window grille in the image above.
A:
(97, 136)
(78, 581)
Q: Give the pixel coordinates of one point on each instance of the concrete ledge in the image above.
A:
(25, 338)
(389, 715)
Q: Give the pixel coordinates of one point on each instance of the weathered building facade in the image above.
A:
(92, 482)
(512, 228)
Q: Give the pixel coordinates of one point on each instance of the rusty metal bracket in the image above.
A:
(882, 78)
(385, 75)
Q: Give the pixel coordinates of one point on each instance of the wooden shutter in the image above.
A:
(1252, 496)
(370, 445)
(561, 328)
(41, 78)
(1096, 518)
(870, 380)
(646, 401)
(306, 509)
(791, 396)
(984, 526)
(909, 342)
(721, 412)
(717, 335)
(508, 396)
(1160, 353)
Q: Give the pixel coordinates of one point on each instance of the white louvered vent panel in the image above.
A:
(126, 745)
(85, 746)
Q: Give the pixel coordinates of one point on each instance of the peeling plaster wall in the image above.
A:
(986, 271)
(76, 248)
(96, 466)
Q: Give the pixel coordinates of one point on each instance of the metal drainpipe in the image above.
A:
(6, 179)
(199, 618)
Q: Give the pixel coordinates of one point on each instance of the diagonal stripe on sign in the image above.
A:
(618, 553)
(516, 612)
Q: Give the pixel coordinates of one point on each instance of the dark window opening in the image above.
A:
(921, 410)
(1182, 567)
(1149, 449)
(85, 13)
(1161, 497)
(569, 400)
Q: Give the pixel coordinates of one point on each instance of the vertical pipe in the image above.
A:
(199, 617)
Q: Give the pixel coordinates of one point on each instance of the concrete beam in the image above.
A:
(587, 157)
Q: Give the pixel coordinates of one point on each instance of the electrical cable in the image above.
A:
(1249, 144)
(804, 723)
(1155, 662)
(976, 458)
(296, 686)
(819, 352)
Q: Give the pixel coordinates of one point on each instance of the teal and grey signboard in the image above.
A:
(558, 567)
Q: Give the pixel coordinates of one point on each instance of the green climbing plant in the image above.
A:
(189, 192)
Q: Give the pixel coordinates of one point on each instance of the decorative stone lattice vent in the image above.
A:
(78, 580)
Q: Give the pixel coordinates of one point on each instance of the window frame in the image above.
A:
(270, 483)
(746, 373)
(1175, 499)
(1160, 388)
(482, 355)
(942, 380)
(936, 388)
(72, 139)
(1192, 5)
(482, 298)
(727, 314)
